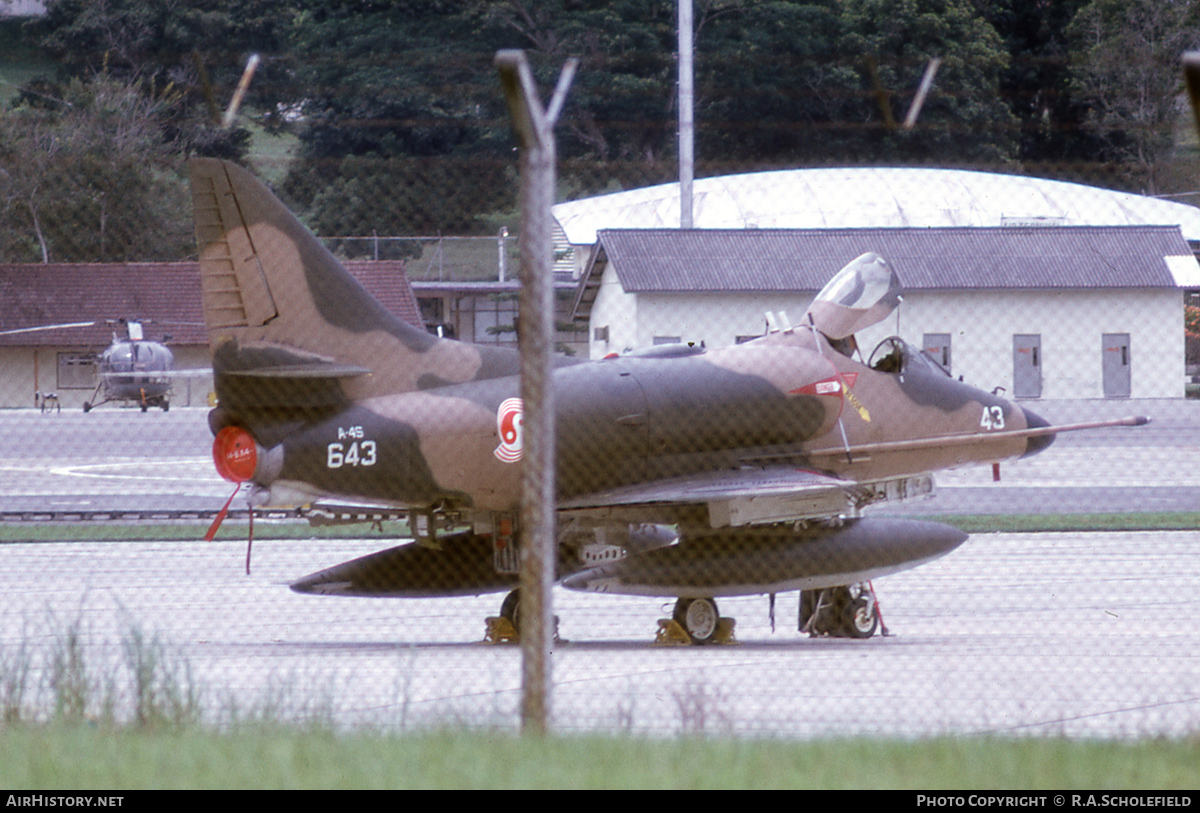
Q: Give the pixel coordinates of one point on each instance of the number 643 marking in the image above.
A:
(359, 454)
(992, 418)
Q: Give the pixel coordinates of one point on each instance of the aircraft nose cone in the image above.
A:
(1038, 443)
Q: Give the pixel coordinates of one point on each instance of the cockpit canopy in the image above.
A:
(894, 355)
(860, 295)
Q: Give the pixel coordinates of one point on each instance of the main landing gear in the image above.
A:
(695, 621)
(850, 611)
(505, 628)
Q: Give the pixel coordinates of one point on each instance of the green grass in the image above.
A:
(271, 153)
(264, 757)
(1036, 523)
(298, 529)
(191, 531)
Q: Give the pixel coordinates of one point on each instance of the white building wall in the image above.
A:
(617, 311)
(717, 319)
(982, 324)
(1071, 324)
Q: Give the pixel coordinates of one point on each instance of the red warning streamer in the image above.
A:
(235, 455)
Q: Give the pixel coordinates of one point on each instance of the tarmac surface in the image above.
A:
(123, 459)
(1080, 635)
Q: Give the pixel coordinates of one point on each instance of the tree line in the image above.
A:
(402, 128)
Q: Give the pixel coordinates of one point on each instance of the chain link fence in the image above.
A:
(695, 472)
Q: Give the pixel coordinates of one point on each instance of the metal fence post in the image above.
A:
(535, 336)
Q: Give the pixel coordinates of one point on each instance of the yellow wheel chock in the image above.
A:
(500, 631)
(671, 633)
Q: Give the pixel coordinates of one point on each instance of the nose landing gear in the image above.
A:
(850, 611)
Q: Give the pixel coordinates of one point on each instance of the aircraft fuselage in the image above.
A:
(632, 419)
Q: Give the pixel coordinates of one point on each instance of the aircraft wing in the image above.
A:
(733, 497)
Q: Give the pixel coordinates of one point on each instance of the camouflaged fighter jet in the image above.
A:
(682, 471)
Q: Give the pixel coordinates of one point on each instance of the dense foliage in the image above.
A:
(403, 130)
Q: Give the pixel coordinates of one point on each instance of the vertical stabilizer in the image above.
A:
(282, 311)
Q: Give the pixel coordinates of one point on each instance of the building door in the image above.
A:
(1027, 365)
(1117, 378)
(937, 347)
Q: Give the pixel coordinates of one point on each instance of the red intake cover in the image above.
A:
(235, 454)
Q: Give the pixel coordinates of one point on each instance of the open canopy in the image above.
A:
(860, 295)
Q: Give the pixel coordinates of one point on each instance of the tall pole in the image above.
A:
(535, 336)
(687, 122)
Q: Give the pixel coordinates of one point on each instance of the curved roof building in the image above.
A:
(872, 197)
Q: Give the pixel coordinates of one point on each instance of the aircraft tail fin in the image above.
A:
(288, 325)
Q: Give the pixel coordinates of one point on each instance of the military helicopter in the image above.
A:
(682, 471)
(132, 370)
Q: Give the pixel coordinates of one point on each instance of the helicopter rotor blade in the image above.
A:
(63, 326)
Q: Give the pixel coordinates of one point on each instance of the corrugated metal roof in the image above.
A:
(673, 260)
(164, 295)
(871, 197)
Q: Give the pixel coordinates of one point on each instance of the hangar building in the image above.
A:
(1048, 289)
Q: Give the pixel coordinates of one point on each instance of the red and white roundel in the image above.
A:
(510, 420)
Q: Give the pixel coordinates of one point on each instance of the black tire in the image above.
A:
(699, 617)
(87, 406)
(859, 619)
(510, 609)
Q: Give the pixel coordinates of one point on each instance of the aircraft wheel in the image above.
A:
(699, 616)
(87, 406)
(510, 609)
(859, 619)
(166, 406)
(144, 407)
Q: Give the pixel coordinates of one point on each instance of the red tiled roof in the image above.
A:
(164, 296)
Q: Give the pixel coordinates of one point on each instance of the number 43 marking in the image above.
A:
(993, 418)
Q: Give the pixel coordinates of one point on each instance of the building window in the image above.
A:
(495, 320)
(76, 371)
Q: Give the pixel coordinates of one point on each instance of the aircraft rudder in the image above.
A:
(277, 301)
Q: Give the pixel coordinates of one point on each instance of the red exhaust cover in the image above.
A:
(235, 454)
